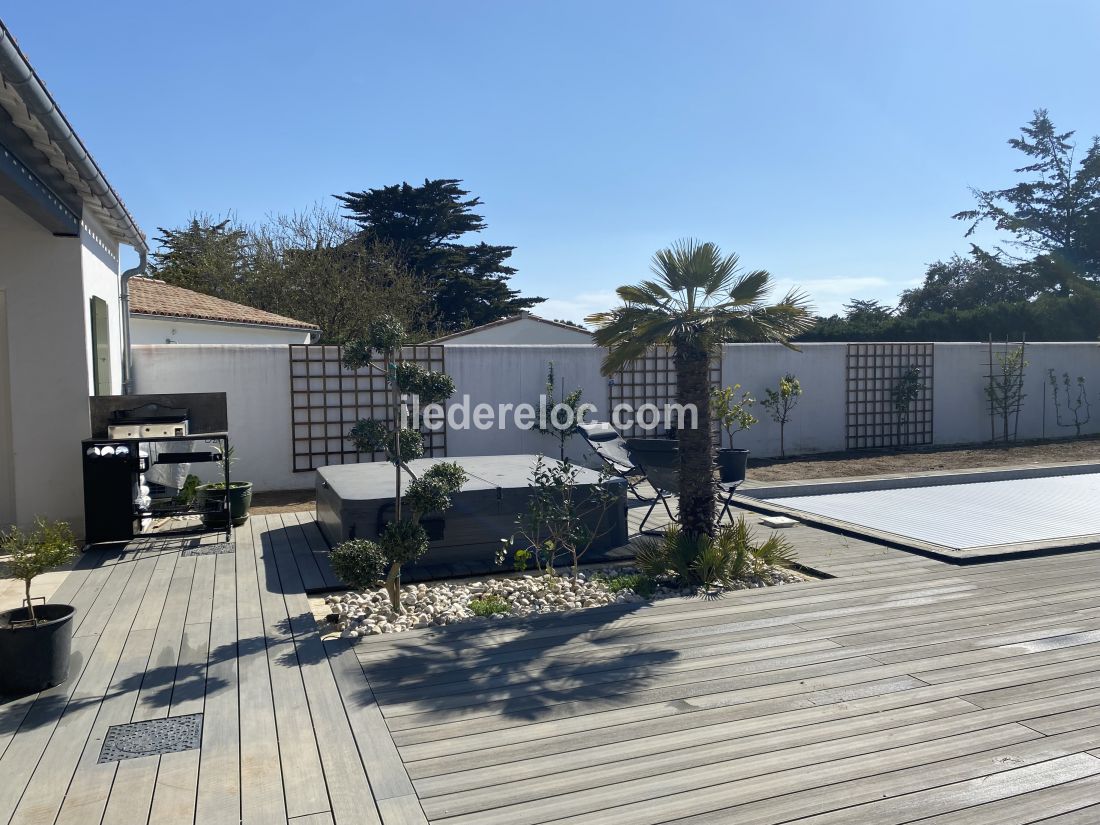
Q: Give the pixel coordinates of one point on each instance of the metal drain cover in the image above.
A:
(152, 738)
(210, 549)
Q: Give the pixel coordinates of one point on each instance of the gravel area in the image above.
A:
(442, 603)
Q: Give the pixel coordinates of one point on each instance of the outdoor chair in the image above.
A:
(659, 460)
(606, 443)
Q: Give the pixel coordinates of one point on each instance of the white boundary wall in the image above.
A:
(257, 382)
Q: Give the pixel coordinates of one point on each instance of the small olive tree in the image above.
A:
(1005, 390)
(363, 563)
(780, 403)
(48, 545)
(563, 518)
(732, 412)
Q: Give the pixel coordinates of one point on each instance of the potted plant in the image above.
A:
(35, 641)
(731, 411)
(240, 496)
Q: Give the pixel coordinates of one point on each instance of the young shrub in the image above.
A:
(776, 551)
(716, 562)
(486, 606)
(732, 411)
(49, 544)
(546, 424)
(520, 559)
(671, 554)
(359, 562)
(562, 519)
(731, 555)
(902, 395)
(739, 538)
(781, 403)
(638, 583)
(1005, 391)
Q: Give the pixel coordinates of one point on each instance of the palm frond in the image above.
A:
(775, 552)
(697, 295)
(630, 335)
(650, 556)
(750, 288)
(646, 294)
(724, 271)
(660, 556)
(713, 562)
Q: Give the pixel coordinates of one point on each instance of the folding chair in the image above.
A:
(666, 482)
(658, 459)
(726, 489)
(606, 443)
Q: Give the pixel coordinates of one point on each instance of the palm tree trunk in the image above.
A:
(695, 443)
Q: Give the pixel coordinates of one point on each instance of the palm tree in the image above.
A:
(699, 300)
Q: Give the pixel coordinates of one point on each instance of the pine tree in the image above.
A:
(423, 225)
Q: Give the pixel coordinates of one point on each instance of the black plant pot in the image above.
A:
(240, 502)
(732, 465)
(35, 657)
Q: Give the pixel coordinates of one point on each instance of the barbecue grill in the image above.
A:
(147, 440)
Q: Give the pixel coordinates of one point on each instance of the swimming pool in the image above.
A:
(961, 515)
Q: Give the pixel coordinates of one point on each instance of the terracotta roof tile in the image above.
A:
(149, 296)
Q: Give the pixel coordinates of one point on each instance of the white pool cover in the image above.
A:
(962, 516)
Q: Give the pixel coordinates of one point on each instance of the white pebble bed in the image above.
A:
(441, 603)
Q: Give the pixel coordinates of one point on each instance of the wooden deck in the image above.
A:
(231, 636)
(903, 689)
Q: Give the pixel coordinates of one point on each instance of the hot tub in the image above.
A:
(356, 501)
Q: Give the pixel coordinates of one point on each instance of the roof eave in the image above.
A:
(164, 316)
(22, 77)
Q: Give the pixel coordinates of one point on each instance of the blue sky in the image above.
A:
(828, 142)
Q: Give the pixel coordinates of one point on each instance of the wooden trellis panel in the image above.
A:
(326, 400)
(873, 369)
(651, 379)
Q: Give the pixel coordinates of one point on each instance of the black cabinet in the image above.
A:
(111, 471)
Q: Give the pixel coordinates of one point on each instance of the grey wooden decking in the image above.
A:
(230, 636)
(904, 689)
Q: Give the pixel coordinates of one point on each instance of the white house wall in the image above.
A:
(522, 331)
(145, 329)
(257, 382)
(41, 276)
(99, 262)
